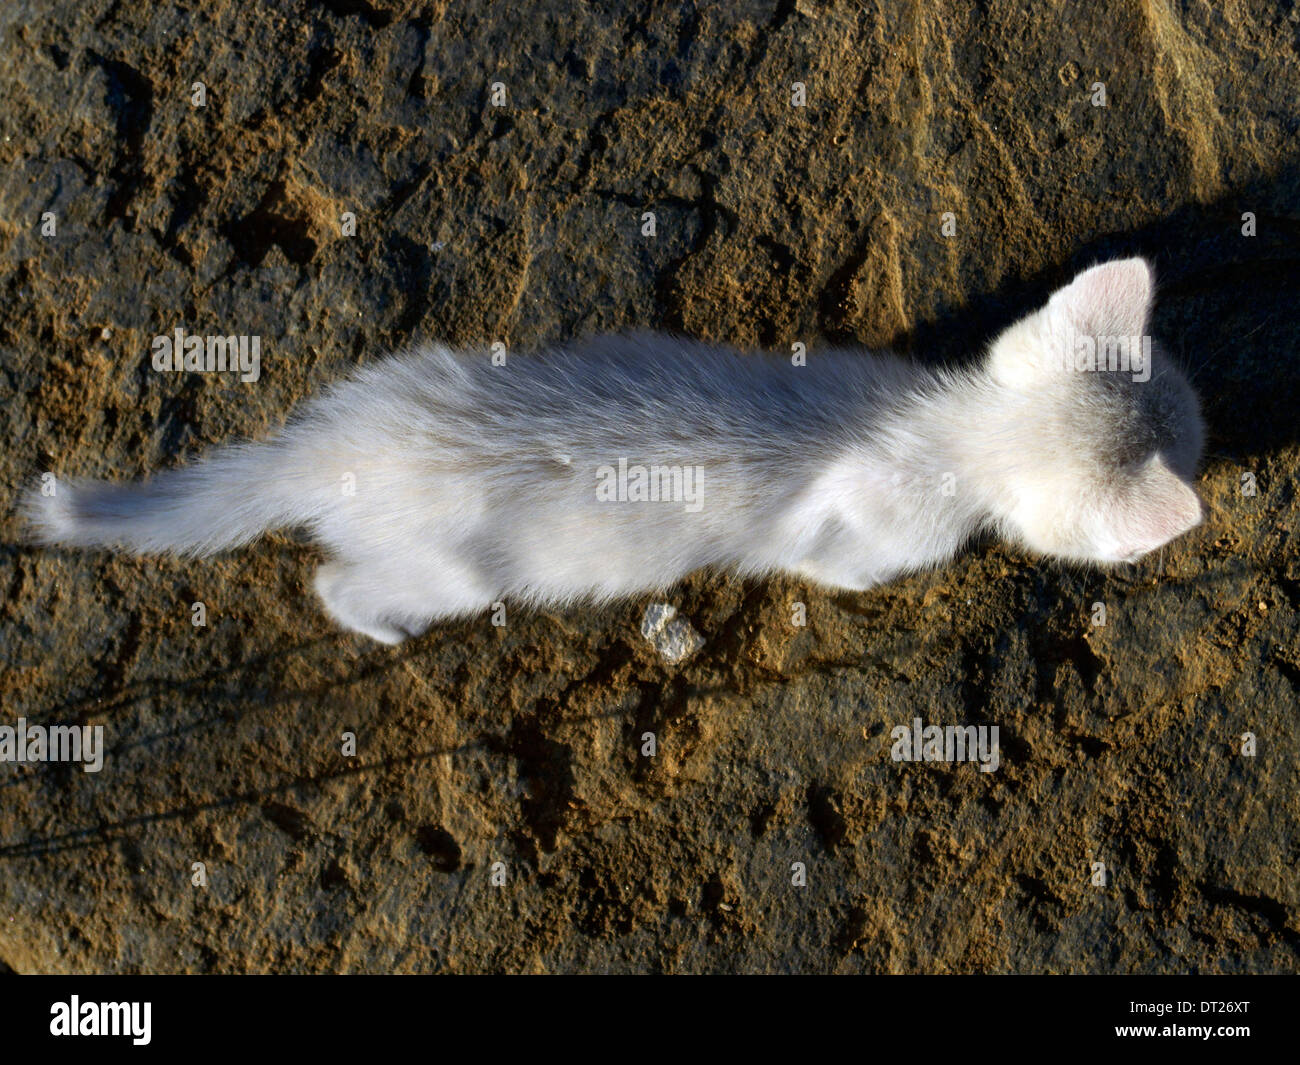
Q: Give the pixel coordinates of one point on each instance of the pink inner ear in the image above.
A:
(1112, 299)
(1162, 509)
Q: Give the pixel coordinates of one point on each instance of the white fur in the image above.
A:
(476, 483)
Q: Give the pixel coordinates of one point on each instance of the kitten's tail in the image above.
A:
(225, 500)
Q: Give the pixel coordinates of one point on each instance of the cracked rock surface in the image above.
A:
(498, 812)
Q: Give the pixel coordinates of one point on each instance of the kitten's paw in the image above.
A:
(376, 630)
(344, 597)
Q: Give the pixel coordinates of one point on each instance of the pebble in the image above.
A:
(674, 638)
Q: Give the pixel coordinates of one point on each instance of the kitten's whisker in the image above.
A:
(1215, 354)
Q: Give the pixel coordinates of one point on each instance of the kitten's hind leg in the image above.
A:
(388, 602)
(355, 604)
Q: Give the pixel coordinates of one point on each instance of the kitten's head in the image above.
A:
(1111, 429)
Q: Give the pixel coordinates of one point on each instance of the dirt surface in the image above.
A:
(521, 745)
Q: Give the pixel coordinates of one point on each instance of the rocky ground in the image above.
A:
(521, 745)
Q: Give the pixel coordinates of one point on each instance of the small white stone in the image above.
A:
(657, 615)
(674, 638)
(678, 640)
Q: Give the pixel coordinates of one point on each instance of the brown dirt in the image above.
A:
(521, 745)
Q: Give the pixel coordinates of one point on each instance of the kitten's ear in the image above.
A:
(1160, 508)
(1113, 299)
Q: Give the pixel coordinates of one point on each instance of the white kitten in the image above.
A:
(440, 483)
